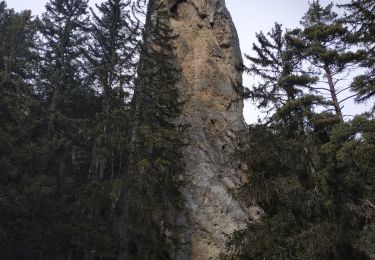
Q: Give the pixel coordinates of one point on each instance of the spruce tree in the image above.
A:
(150, 193)
(115, 33)
(20, 235)
(64, 28)
(68, 100)
(70, 106)
(113, 58)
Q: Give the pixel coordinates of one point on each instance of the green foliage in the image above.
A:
(317, 195)
(311, 173)
(360, 16)
(77, 137)
(280, 71)
(321, 44)
(151, 191)
(19, 132)
(112, 54)
(90, 139)
(361, 19)
(112, 58)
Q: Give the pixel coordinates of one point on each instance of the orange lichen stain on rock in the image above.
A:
(213, 101)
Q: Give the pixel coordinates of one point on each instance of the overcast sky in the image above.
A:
(250, 16)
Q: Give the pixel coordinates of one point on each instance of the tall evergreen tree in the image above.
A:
(70, 106)
(320, 43)
(317, 203)
(113, 57)
(68, 100)
(20, 132)
(64, 28)
(150, 192)
(326, 213)
(360, 17)
(285, 88)
(115, 33)
(279, 70)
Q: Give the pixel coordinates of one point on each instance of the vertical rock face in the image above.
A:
(207, 50)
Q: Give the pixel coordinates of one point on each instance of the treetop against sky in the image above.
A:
(250, 17)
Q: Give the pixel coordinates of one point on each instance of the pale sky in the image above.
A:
(250, 16)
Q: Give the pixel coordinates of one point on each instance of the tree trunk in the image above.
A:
(332, 89)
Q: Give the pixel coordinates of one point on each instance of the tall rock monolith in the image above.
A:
(207, 51)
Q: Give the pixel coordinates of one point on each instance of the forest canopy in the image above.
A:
(90, 148)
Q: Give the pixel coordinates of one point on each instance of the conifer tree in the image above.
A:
(70, 106)
(360, 17)
(17, 64)
(321, 44)
(19, 133)
(285, 89)
(150, 192)
(113, 53)
(318, 203)
(64, 28)
(327, 213)
(279, 70)
(68, 99)
(113, 58)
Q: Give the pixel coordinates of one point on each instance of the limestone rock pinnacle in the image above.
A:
(207, 50)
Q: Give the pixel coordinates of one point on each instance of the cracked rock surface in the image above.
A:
(207, 50)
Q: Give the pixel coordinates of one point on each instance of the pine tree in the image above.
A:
(285, 89)
(315, 185)
(361, 19)
(316, 190)
(321, 44)
(280, 72)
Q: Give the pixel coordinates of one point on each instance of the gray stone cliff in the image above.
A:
(207, 50)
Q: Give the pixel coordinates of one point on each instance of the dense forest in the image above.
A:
(89, 156)
(312, 168)
(90, 148)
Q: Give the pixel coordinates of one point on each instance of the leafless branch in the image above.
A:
(338, 92)
(347, 98)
